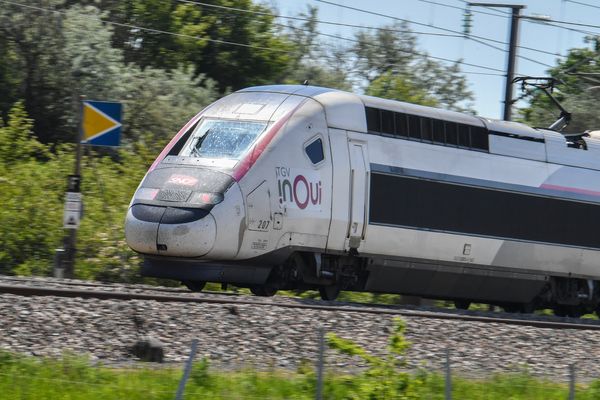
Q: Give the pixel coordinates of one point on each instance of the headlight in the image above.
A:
(206, 198)
(145, 194)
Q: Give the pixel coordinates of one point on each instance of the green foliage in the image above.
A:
(397, 87)
(386, 379)
(578, 93)
(17, 142)
(51, 59)
(71, 377)
(394, 67)
(32, 185)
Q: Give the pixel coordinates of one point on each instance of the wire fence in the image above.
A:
(383, 378)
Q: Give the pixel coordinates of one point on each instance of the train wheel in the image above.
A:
(194, 286)
(560, 311)
(462, 304)
(575, 312)
(263, 291)
(528, 308)
(568, 311)
(329, 293)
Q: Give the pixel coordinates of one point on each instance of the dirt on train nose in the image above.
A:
(170, 231)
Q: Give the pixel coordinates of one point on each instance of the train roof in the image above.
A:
(331, 97)
(345, 110)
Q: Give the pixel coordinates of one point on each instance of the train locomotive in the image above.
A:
(303, 187)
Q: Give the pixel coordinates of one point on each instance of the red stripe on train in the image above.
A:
(570, 189)
(248, 161)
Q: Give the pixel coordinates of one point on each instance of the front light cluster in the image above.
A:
(206, 198)
(209, 198)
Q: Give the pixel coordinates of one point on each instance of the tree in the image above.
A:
(51, 59)
(313, 60)
(390, 65)
(579, 73)
(34, 38)
(396, 87)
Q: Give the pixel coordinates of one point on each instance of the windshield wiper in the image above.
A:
(196, 148)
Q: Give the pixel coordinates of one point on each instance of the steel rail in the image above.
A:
(22, 290)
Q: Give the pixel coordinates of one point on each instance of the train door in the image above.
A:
(359, 185)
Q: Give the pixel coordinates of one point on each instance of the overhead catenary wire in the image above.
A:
(581, 3)
(560, 22)
(158, 31)
(472, 37)
(333, 23)
(153, 30)
(372, 44)
(455, 34)
(545, 22)
(461, 8)
(350, 25)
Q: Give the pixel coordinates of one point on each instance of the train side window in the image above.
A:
(176, 149)
(373, 120)
(479, 138)
(314, 151)
(438, 131)
(401, 124)
(451, 133)
(463, 135)
(387, 122)
(426, 133)
(414, 126)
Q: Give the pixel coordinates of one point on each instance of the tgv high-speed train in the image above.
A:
(301, 187)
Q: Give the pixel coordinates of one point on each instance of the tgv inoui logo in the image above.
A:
(299, 188)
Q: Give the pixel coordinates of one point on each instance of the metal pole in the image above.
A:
(448, 387)
(512, 54)
(66, 260)
(320, 363)
(187, 370)
(571, 381)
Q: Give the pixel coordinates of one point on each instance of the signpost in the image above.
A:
(72, 214)
(99, 125)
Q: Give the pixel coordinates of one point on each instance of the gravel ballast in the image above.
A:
(237, 336)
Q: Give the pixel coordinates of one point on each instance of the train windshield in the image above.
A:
(214, 138)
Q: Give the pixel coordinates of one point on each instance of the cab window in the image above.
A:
(314, 151)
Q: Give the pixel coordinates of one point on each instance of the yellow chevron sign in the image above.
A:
(101, 123)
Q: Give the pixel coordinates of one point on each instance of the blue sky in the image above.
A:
(488, 90)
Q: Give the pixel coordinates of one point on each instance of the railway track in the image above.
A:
(94, 290)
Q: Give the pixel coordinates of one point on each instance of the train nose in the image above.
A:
(170, 231)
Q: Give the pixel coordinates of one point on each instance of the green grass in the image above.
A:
(75, 378)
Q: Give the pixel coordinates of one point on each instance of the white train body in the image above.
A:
(328, 189)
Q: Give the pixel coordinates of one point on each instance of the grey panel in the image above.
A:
(453, 282)
(171, 268)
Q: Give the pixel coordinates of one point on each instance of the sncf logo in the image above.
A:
(299, 188)
(182, 180)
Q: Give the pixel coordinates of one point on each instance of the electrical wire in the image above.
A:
(542, 22)
(415, 53)
(342, 24)
(355, 26)
(454, 34)
(461, 8)
(555, 21)
(480, 39)
(125, 25)
(158, 31)
(583, 4)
